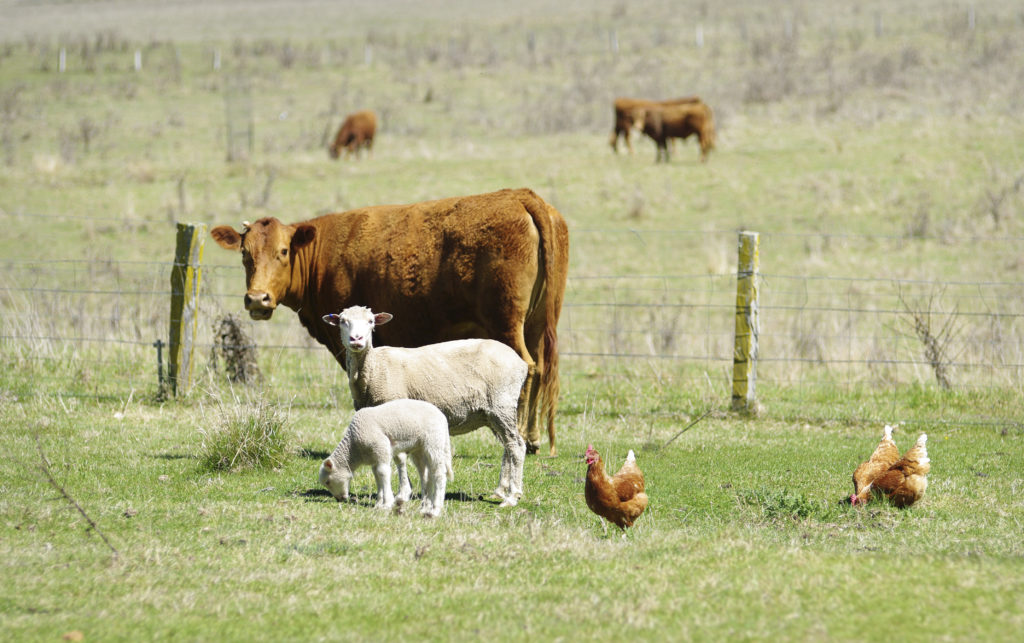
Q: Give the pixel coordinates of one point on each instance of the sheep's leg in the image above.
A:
(510, 487)
(425, 481)
(404, 486)
(382, 474)
(510, 484)
(438, 482)
(504, 482)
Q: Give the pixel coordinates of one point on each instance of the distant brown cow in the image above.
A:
(625, 115)
(492, 266)
(678, 121)
(356, 132)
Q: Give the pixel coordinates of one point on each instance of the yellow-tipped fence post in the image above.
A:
(185, 277)
(744, 368)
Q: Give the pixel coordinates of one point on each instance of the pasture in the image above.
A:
(876, 148)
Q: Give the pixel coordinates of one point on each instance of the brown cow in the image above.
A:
(678, 121)
(356, 132)
(625, 115)
(491, 266)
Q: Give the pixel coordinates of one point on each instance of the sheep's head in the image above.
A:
(356, 325)
(335, 478)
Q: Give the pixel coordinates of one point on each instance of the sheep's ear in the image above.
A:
(328, 464)
(382, 318)
(333, 319)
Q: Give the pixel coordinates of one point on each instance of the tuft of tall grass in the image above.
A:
(786, 504)
(248, 436)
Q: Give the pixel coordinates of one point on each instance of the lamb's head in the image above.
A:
(335, 477)
(356, 324)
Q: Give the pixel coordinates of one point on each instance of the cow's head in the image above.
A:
(268, 247)
(637, 118)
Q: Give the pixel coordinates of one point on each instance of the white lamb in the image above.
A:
(475, 383)
(394, 430)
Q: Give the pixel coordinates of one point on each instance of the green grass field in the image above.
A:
(876, 148)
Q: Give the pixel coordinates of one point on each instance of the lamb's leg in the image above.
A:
(425, 481)
(438, 483)
(404, 486)
(382, 474)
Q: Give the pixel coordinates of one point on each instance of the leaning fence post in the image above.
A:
(185, 277)
(744, 368)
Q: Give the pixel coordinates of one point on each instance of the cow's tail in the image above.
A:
(709, 127)
(554, 246)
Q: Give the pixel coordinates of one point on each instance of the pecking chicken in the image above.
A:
(620, 499)
(902, 483)
(886, 454)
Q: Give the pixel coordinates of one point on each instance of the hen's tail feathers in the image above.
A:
(920, 449)
(630, 457)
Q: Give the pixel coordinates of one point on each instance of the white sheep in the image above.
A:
(475, 383)
(394, 430)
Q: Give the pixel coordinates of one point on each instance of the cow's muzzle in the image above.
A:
(260, 305)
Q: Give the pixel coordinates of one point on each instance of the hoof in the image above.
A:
(532, 447)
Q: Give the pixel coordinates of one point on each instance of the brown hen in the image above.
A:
(886, 454)
(619, 499)
(904, 482)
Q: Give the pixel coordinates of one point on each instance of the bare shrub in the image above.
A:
(998, 200)
(937, 339)
(237, 351)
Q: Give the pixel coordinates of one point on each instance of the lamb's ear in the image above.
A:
(328, 464)
(333, 319)
(382, 318)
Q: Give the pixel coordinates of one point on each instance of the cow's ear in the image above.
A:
(333, 319)
(382, 318)
(303, 235)
(226, 237)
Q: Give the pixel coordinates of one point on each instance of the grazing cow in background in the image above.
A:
(356, 132)
(491, 266)
(678, 121)
(625, 115)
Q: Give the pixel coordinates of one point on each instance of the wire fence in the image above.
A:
(87, 328)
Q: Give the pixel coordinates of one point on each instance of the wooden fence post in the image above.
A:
(744, 369)
(185, 276)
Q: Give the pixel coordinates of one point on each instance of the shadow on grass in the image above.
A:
(174, 456)
(369, 499)
(312, 454)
